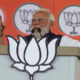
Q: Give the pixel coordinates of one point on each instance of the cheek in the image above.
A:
(32, 23)
(43, 24)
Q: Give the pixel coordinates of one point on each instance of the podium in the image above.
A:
(65, 67)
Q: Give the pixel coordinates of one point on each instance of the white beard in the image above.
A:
(44, 31)
(38, 35)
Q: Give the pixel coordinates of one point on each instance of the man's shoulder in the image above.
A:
(28, 38)
(59, 36)
(55, 35)
(50, 36)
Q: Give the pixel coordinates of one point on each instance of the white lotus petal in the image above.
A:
(66, 16)
(30, 16)
(19, 66)
(21, 47)
(26, 14)
(13, 48)
(78, 17)
(74, 18)
(31, 69)
(44, 67)
(69, 16)
(32, 53)
(51, 51)
(21, 14)
(43, 49)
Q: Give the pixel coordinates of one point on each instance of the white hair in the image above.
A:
(51, 17)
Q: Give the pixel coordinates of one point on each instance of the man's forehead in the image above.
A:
(40, 14)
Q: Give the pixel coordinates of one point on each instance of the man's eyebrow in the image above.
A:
(37, 18)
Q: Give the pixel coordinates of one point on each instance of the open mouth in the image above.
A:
(36, 29)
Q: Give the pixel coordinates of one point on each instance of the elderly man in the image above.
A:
(42, 23)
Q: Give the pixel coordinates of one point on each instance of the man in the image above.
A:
(1, 31)
(42, 23)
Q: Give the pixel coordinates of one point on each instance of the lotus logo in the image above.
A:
(32, 57)
(72, 20)
(26, 16)
(69, 20)
(23, 17)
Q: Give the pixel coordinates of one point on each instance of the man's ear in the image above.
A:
(51, 25)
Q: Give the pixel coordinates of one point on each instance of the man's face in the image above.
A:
(40, 24)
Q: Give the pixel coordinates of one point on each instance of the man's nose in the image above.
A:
(35, 22)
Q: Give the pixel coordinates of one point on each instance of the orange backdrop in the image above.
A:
(9, 7)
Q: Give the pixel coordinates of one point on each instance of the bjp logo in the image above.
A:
(23, 17)
(32, 57)
(69, 20)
